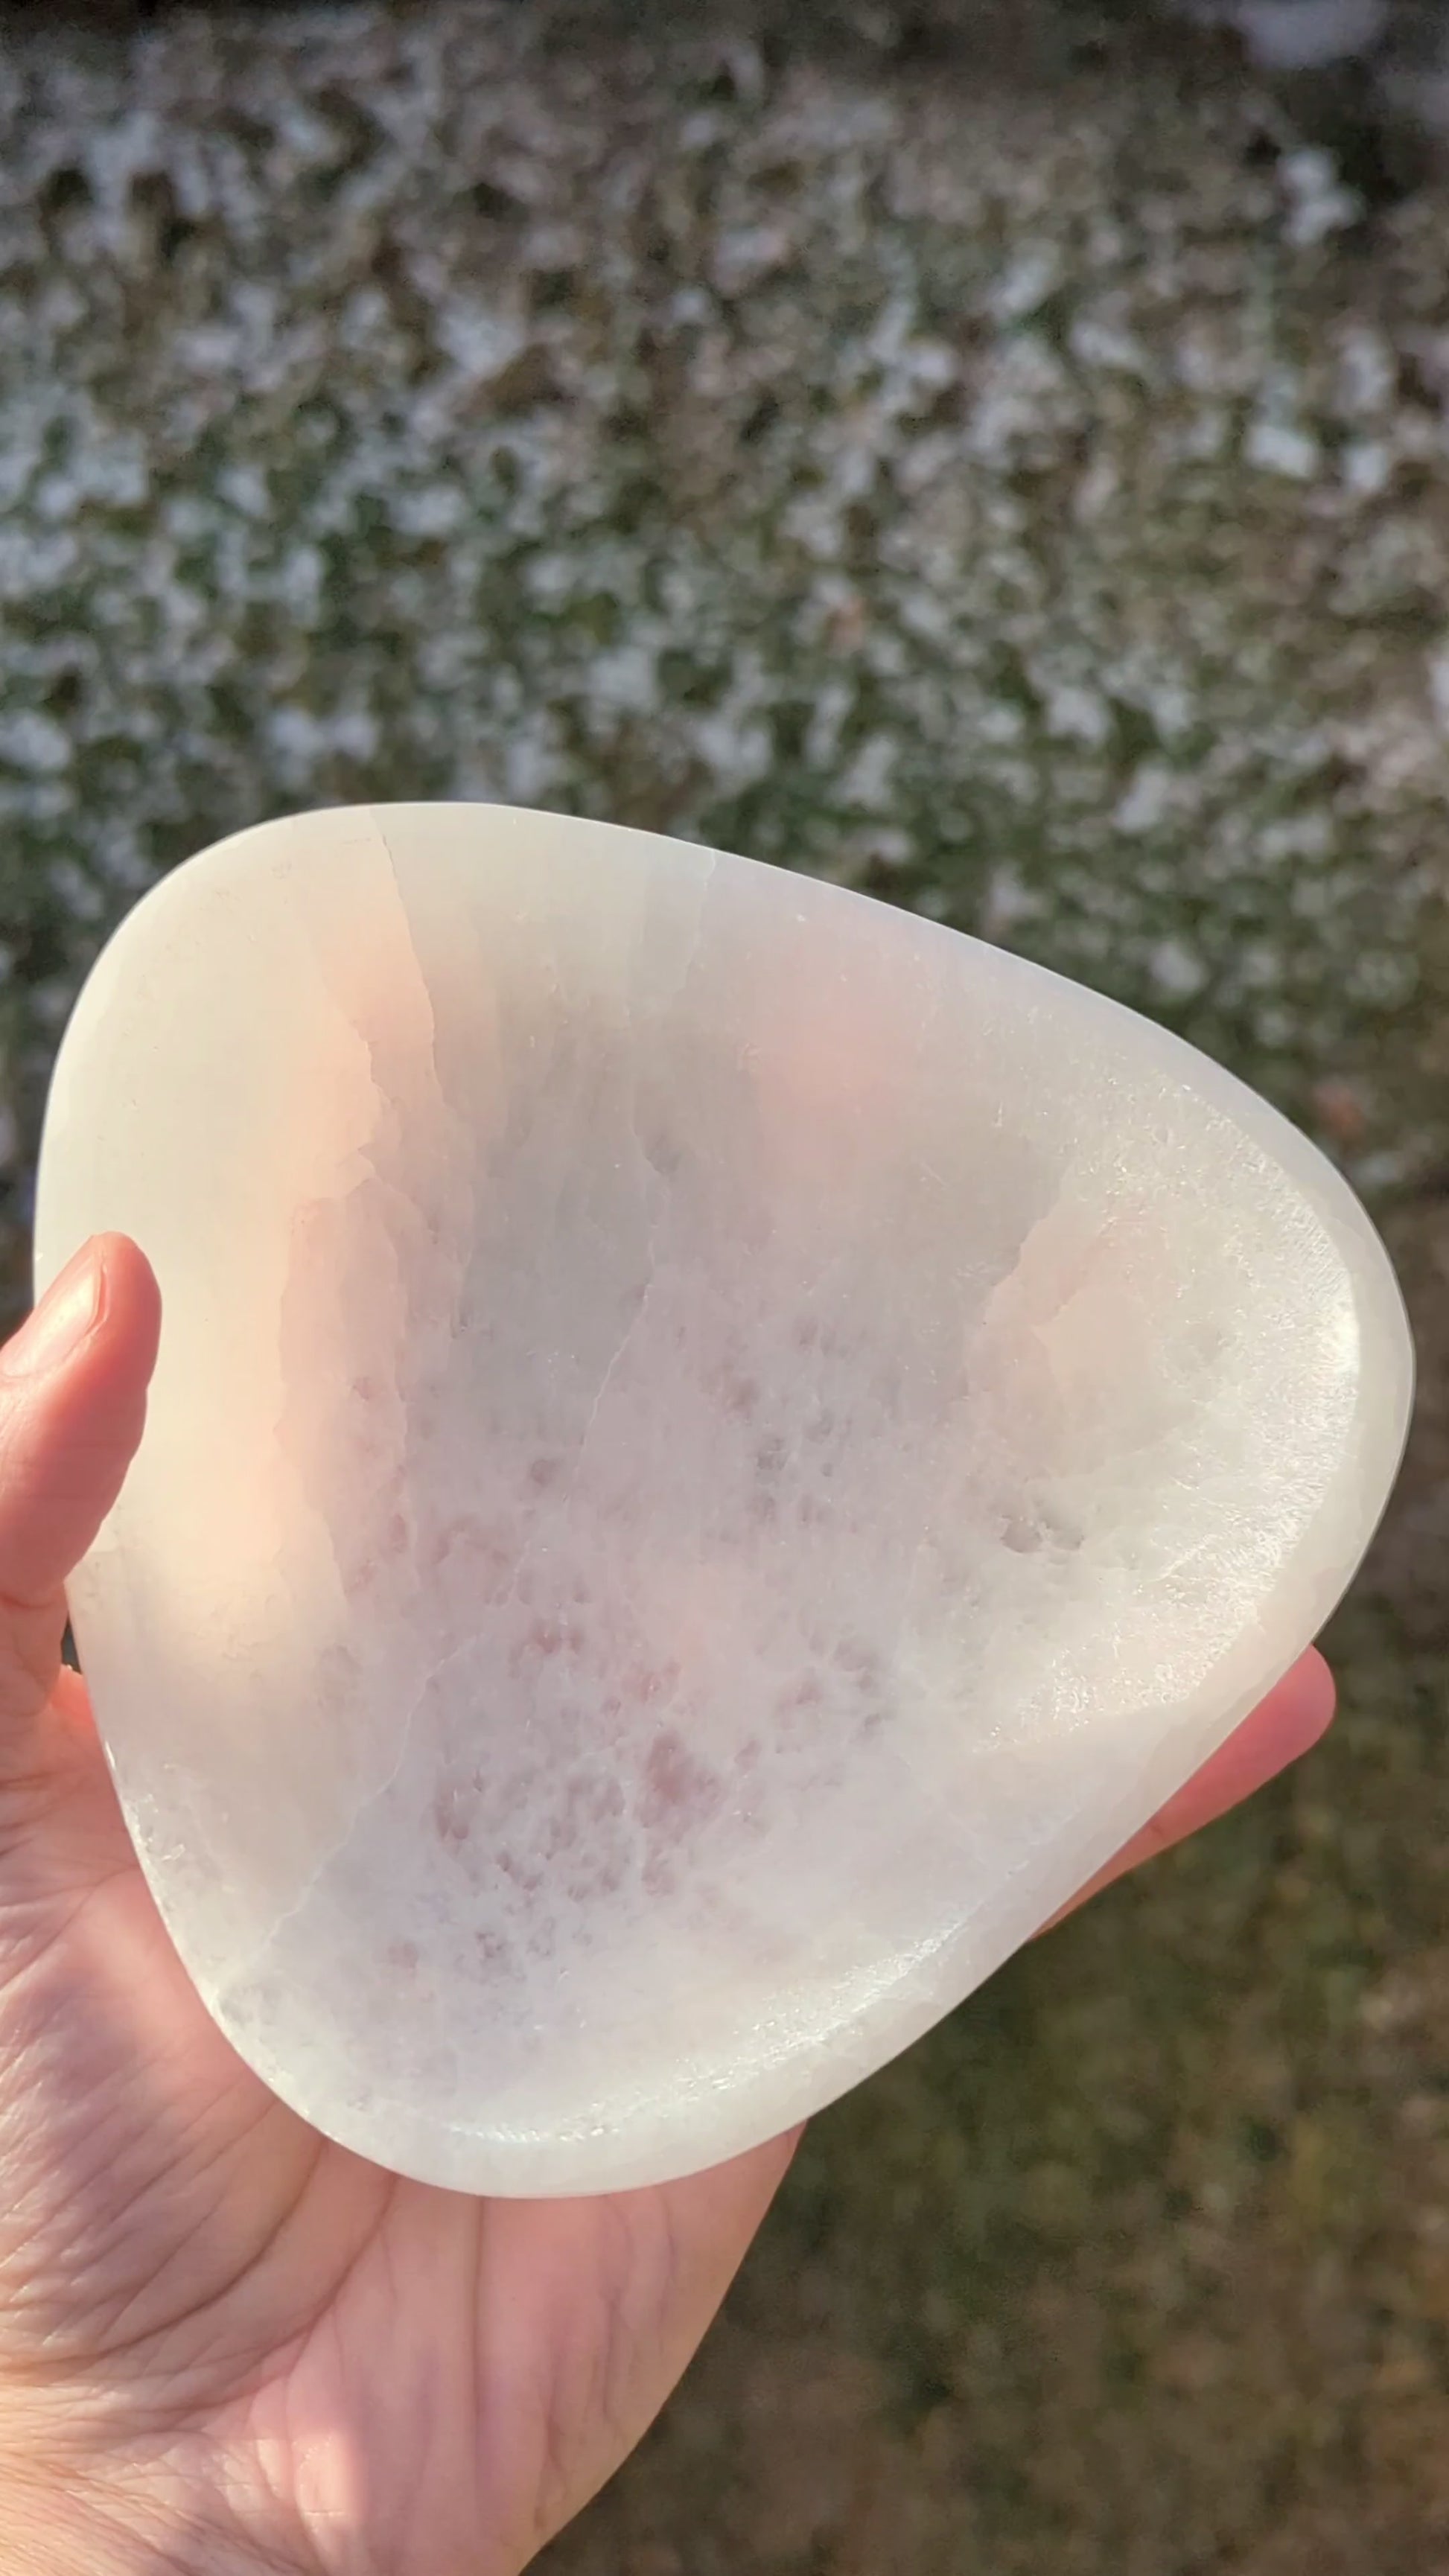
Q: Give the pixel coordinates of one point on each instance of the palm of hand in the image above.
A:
(212, 2318)
(225, 2343)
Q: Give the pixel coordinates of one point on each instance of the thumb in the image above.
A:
(72, 1404)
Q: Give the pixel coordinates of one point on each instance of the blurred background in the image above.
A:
(997, 456)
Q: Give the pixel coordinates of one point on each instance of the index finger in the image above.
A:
(1297, 1711)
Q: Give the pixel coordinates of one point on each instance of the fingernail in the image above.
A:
(69, 1310)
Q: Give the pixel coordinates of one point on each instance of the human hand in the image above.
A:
(225, 2344)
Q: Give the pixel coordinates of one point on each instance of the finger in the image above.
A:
(1296, 1712)
(72, 1404)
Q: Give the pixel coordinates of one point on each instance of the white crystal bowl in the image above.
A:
(717, 1448)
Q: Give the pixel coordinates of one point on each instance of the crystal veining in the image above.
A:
(717, 1448)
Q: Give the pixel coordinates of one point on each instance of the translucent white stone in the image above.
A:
(717, 1448)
